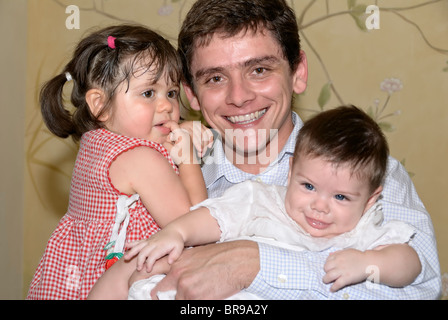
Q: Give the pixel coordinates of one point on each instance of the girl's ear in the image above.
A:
(191, 96)
(96, 100)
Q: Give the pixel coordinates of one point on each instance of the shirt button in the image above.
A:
(346, 296)
(282, 278)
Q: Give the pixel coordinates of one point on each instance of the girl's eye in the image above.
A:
(173, 94)
(148, 94)
(308, 186)
(340, 197)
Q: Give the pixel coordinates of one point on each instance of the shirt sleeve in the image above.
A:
(286, 274)
(232, 210)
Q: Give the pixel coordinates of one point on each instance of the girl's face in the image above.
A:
(142, 109)
(324, 200)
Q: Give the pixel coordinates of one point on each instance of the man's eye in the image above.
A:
(259, 70)
(215, 79)
(148, 94)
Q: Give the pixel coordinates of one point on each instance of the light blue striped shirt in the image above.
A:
(287, 274)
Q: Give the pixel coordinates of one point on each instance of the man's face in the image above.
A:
(244, 87)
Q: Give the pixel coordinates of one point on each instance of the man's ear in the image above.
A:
(96, 100)
(373, 198)
(300, 75)
(191, 96)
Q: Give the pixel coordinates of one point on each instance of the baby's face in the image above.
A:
(324, 200)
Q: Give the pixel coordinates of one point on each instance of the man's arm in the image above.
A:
(214, 271)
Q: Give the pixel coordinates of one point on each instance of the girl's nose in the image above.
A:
(165, 105)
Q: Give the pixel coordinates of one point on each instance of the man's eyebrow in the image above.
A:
(265, 59)
(251, 62)
(207, 71)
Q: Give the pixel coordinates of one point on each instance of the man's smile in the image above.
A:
(247, 118)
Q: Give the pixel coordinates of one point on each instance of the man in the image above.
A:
(242, 64)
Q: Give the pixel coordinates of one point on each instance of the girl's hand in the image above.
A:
(201, 135)
(179, 144)
(154, 248)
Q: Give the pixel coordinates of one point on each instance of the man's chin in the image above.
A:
(250, 153)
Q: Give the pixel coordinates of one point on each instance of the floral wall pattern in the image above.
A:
(397, 72)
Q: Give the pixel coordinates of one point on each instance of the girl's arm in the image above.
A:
(145, 171)
(395, 265)
(191, 176)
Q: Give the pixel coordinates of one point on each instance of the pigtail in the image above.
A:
(56, 117)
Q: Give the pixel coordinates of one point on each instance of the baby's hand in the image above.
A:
(154, 248)
(345, 267)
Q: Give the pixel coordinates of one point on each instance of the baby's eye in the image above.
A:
(148, 94)
(340, 197)
(308, 186)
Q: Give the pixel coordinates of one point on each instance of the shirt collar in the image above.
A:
(216, 165)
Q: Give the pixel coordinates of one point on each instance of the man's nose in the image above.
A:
(239, 92)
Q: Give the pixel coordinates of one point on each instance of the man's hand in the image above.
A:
(214, 271)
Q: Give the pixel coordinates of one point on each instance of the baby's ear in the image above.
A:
(373, 198)
(96, 100)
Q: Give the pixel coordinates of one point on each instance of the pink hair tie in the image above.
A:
(111, 42)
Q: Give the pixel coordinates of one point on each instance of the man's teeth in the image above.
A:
(247, 118)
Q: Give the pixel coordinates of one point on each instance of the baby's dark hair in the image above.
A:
(97, 63)
(346, 136)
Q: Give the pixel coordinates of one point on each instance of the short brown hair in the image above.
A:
(346, 136)
(229, 17)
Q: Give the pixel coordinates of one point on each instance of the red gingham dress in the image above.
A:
(74, 257)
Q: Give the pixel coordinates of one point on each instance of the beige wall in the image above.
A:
(13, 24)
(411, 45)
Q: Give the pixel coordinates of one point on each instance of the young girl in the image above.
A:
(125, 184)
(330, 203)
